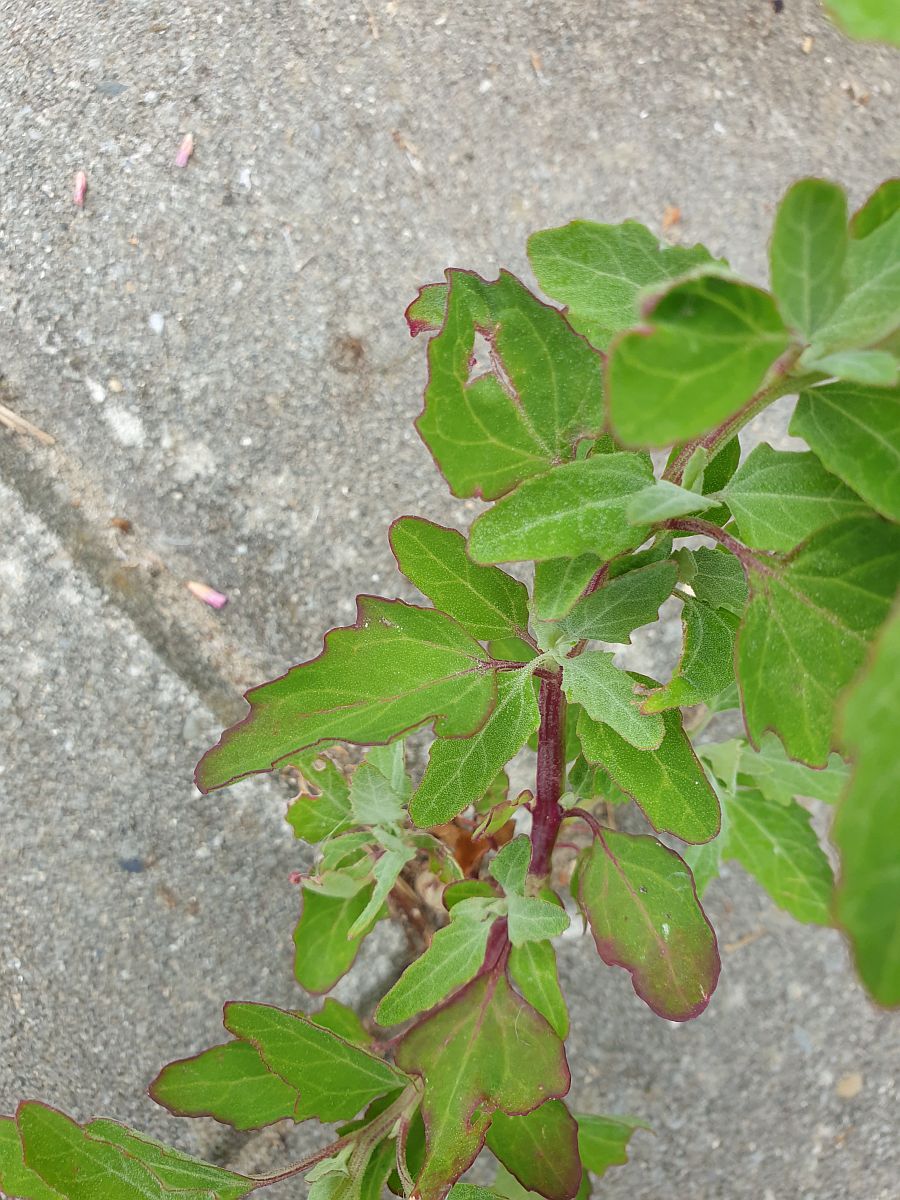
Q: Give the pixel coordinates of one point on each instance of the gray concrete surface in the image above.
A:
(220, 356)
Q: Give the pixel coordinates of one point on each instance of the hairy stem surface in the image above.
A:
(550, 765)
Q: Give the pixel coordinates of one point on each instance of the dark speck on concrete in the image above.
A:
(111, 87)
(133, 866)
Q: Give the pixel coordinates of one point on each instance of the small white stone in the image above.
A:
(127, 429)
(157, 322)
(96, 390)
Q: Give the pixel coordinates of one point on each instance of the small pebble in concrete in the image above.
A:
(134, 866)
(157, 322)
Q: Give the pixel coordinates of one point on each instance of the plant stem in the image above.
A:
(693, 525)
(589, 818)
(777, 384)
(547, 813)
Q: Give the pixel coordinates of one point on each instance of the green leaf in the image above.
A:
(485, 600)
(644, 914)
(343, 1021)
(373, 798)
(541, 394)
(390, 760)
(427, 312)
(855, 431)
(540, 1149)
(453, 958)
(807, 628)
(717, 578)
(869, 20)
(396, 668)
(608, 695)
(532, 968)
(318, 815)
(471, 1191)
(334, 1079)
(467, 889)
(870, 311)
(462, 1052)
(867, 826)
(79, 1167)
(178, 1172)
(879, 207)
(706, 666)
(386, 871)
(876, 367)
(17, 1180)
(778, 776)
(807, 253)
(461, 770)
(779, 497)
(230, 1083)
(776, 843)
(510, 866)
(323, 948)
(575, 508)
(603, 1141)
(662, 500)
(600, 271)
(618, 607)
(531, 919)
(558, 582)
(668, 783)
(708, 348)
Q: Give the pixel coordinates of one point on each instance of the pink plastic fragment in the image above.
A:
(79, 189)
(207, 594)
(185, 151)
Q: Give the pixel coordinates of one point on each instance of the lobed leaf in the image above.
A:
(324, 950)
(542, 393)
(776, 843)
(177, 1172)
(642, 907)
(230, 1083)
(600, 271)
(807, 627)
(386, 872)
(540, 1149)
(779, 777)
(426, 313)
(709, 344)
(17, 1181)
(780, 497)
(668, 783)
(461, 770)
(621, 605)
(870, 310)
(603, 1141)
(531, 919)
(717, 578)
(807, 253)
(855, 431)
(333, 1078)
(315, 818)
(396, 668)
(462, 1052)
(575, 508)
(485, 600)
(532, 968)
(343, 1021)
(867, 827)
(608, 696)
(706, 666)
(453, 958)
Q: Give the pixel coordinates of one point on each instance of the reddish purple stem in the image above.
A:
(547, 813)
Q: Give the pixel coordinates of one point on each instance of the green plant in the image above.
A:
(548, 413)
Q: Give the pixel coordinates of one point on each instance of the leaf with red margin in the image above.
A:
(426, 313)
(229, 1083)
(807, 628)
(540, 1149)
(484, 1050)
(396, 668)
(643, 910)
(540, 395)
